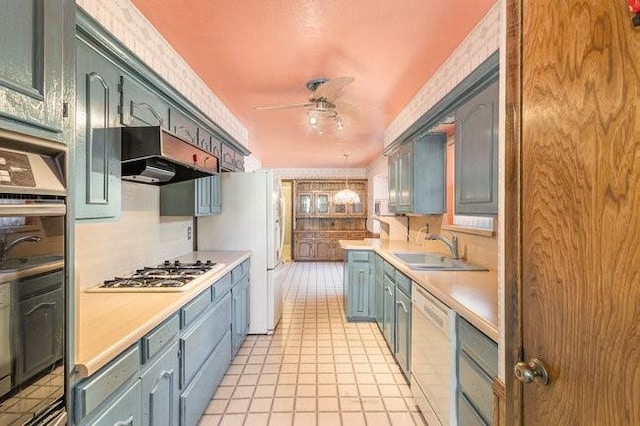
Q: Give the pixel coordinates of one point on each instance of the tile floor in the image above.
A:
(316, 368)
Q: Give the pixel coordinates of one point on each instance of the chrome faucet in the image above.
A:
(5, 245)
(451, 243)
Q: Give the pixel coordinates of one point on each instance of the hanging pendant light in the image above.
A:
(346, 195)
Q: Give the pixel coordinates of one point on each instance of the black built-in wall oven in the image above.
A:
(32, 286)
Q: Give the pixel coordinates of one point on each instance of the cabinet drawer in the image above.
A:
(197, 395)
(305, 235)
(239, 272)
(403, 282)
(389, 269)
(479, 347)
(198, 342)
(358, 256)
(90, 393)
(467, 415)
(475, 385)
(194, 308)
(221, 287)
(126, 410)
(153, 342)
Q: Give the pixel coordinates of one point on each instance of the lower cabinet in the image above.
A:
(403, 330)
(389, 310)
(195, 397)
(170, 375)
(304, 249)
(356, 285)
(160, 389)
(476, 366)
(125, 410)
(378, 290)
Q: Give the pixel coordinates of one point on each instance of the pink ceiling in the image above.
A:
(262, 52)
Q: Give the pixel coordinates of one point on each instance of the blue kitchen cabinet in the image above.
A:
(378, 290)
(124, 410)
(199, 197)
(476, 367)
(160, 389)
(31, 70)
(97, 146)
(239, 305)
(357, 278)
(403, 323)
(476, 154)
(417, 175)
(389, 311)
(182, 126)
(141, 106)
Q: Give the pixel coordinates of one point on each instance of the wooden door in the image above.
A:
(575, 301)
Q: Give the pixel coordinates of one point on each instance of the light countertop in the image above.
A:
(107, 323)
(472, 294)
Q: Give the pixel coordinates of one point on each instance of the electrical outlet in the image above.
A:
(188, 233)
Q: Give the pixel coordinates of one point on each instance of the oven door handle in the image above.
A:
(37, 209)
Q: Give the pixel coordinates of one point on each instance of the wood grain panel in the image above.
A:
(581, 211)
(499, 403)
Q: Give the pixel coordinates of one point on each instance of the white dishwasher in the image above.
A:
(433, 358)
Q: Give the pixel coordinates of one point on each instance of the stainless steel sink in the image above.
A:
(21, 263)
(434, 262)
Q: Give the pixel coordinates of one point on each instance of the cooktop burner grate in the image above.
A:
(167, 275)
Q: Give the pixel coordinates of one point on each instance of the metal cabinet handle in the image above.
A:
(533, 371)
(388, 290)
(38, 306)
(401, 303)
(129, 421)
(148, 107)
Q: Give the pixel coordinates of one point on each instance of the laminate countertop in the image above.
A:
(107, 323)
(472, 294)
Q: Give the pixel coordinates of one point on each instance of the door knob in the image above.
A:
(533, 371)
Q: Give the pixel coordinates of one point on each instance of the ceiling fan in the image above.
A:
(322, 103)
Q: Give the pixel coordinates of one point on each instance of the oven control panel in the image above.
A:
(15, 169)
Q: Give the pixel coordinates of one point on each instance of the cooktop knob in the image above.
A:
(198, 262)
(209, 263)
(176, 263)
(166, 263)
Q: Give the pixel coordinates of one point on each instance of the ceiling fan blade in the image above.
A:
(298, 105)
(329, 90)
(347, 110)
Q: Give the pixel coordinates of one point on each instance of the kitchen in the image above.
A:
(119, 234)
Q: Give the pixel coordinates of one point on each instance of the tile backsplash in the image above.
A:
(141, 237)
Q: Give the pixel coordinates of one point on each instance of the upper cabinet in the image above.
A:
(97, 143)
(31, 69)
(182, 126)
(476, 152)
(140, 106)
(417, 175)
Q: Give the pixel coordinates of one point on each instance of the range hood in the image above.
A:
(155, 156)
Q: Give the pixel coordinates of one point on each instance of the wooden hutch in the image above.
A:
(319, 223)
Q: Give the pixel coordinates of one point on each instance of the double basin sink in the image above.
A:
(434, 262)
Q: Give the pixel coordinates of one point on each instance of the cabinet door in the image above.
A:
(140, 106)
(321, 204)
(379, 298)
(216, 194)
(182, 126)
(237, 318)
(393, 182)
(338, 252)
(405, 179)
(403, 330)
(323, 249)
(389, 311)
(358, 290)
(204, 139)
(160, 390)
(97, 146)
(216, 147)
(476, 154)
(41, 335)
(204, 192)
(304, 205)
(228, 160)
(31, 77)
(304, 249)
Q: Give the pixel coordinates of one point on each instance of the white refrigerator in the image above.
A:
(252, 219)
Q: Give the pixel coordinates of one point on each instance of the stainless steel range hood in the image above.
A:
(155, 156)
